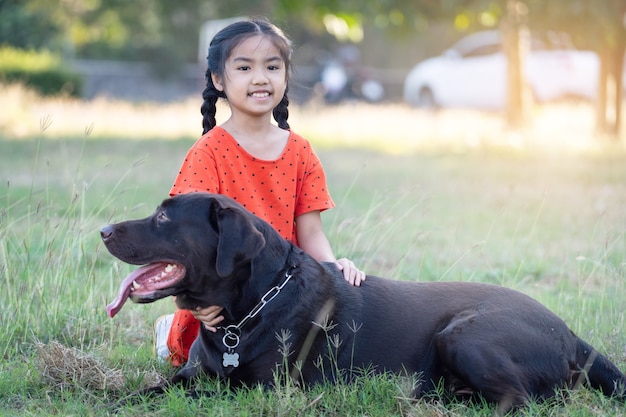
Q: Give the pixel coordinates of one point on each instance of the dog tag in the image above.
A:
(230, 359)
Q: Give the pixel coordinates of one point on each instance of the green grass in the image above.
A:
(551, 225)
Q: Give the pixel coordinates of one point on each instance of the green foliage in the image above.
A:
(40, 70)
(24, 26)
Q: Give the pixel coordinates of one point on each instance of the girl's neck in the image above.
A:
(262, 140)
(248, 127)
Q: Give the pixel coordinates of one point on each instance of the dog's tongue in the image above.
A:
(147, 278)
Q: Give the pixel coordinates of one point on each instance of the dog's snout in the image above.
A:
(106, 232)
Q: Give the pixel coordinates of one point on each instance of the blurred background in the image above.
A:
(503, 56)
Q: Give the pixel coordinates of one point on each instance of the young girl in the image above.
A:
(268, 169)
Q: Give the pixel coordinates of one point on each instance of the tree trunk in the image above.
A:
(619, 81)
(611, 87)
(516, 45)
(602, 100)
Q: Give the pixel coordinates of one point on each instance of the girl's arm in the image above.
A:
(312, 240)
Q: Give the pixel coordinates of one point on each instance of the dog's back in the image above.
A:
(480, 338)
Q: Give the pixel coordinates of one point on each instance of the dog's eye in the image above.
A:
(162, 217)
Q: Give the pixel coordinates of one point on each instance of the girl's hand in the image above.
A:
(350, 272)
(209, 316)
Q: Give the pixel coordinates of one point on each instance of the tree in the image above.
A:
(25, 27)
(516, 44)
(610, 23)
(598, 25)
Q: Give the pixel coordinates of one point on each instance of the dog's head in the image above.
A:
(190, 247)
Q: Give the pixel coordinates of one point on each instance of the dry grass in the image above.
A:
(66, 368)
(69, 368)
(24, 112)
(557, 127)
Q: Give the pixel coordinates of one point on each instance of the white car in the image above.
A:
(473, 73)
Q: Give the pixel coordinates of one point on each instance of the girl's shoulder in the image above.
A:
(214, 138)
(299, 142)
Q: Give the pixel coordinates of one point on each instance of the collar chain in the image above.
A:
(233, 331)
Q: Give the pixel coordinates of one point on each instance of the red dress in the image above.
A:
(277, 191)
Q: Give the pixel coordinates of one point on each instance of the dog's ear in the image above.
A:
(239, 241)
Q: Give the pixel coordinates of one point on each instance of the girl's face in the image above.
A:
(254, 78)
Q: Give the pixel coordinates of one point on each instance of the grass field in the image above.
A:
(445, 196)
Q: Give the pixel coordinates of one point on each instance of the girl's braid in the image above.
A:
(208, 109)
(281, 112)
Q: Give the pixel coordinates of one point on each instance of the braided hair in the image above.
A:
(220, 48)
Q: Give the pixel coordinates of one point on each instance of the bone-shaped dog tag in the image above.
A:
(230, 359)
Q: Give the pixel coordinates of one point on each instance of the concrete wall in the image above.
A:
(136, 81)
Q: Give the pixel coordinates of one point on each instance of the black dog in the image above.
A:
(471, 338)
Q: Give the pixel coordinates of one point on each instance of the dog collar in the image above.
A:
(233, 332)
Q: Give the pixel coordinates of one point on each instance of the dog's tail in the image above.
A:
(598, 371)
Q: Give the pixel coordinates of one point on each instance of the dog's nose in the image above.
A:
(106, 232)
